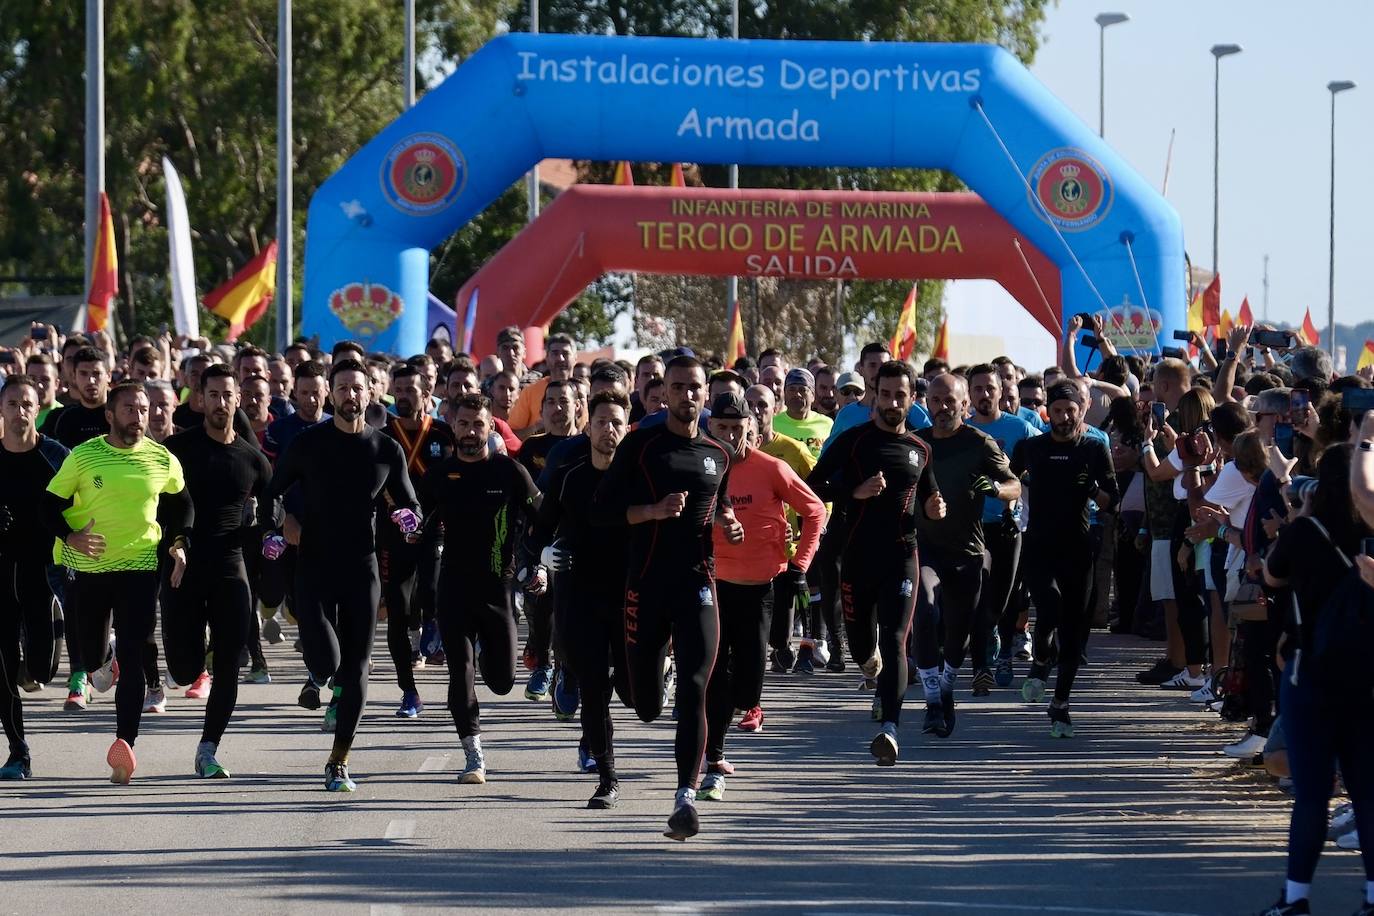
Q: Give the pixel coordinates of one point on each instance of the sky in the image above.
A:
(1275, 141)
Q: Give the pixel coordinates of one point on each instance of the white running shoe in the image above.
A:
(155, 701)
(474, 762)
(873, 667)
(820, 653)
(104, 677)
(1245, 748)
(1184, 681)
(1342, 820)
(1204, 694)
(1349, 840)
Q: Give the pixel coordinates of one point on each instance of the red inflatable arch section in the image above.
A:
(590, 230)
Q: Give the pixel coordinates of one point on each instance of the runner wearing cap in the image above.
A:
(798, 420)
(849, 388)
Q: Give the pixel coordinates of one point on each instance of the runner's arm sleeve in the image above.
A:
(51, 508)
(269, 512)
(927, 486)
(809, 509)
(1018, 459)
(175, 514)
(998, 468)
(549, 513)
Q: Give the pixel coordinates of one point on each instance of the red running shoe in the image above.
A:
(200, 687)
(122, 762)
(752, 721)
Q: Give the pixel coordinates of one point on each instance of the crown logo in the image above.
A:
(366, 309)
(1069, 170)
(425, 155)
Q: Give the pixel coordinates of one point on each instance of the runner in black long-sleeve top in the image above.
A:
(342, 467)
(880, 474)
(483, 500)
(665, 482)
(1065, 470)
(222, 470)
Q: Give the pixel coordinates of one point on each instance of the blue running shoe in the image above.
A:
(565, 695)
(585, 761)
(430, 641)
(537, 688)
(19, 767)
(411, 706)
(1005, 673)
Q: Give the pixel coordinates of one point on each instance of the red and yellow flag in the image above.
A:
(244, 299)
(941, 348)
(1225, 325)
(104, 271)
(1211, 303)
(1246, 317)
(677, 179)
(734, 345)
(1366, 356)
(903, 342)
(1308, 331)
(1195, 321)
(623, 175)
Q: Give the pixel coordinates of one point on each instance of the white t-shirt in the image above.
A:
(1176, 462)
(1233, 493)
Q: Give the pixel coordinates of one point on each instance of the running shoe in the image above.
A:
(798, 629)
(804, 664)
(868, 685)
(820, 653)
(783, 660)
(78, 692)
(1184, 681)
(1033, 689)
(884, 745)
(259, 676)
(528, 659)
(607, 794)
(17, 767)
(1349, 840)
(1204, 694)
(1061, 726)
(875, 712)
(200, 687)
(411, 706)
(934, 723)
(122, 762)
(309, 697)
(330, 723)
(336, 778)
(537, 687)
(107, 675)
(417, 661)
(564, 695)
(1162, 671)
(155, 701)
(430, 642)
(721, 766)
(712, 787)
(670, 684)
(873, 667)
(947, 703)
(983, 682)
(474, 764)
(1023, 646)
(1342, 819)
(752, 721)
(207, 767)
(684, 822)
(271, 629)
(436, 659)
(836, 663)
(1006, 672)
(586, 763)
(1280, 908)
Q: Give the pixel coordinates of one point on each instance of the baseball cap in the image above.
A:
(799, 376)
(729, 406)
(849, 380)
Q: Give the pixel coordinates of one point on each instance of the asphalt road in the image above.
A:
(1136, 815)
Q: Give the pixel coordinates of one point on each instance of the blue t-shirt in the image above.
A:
(857, 413)
(1033, 419)
(1006, 430)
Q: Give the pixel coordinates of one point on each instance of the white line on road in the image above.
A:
(400, 829)
(434, 764)
(385, 909)
(828, 906)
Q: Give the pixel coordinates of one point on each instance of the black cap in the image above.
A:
(729, 406)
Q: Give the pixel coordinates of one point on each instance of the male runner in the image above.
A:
(41, 368)
(760, 489)
(341, 467)
(482, 499)
(951, 550)
(799, 421)
(871, 358)
(665, 482)
(86, 418)
(587, 567)
(104, 504)
(222, 472)
(192, 413)
(28, 462)
(880, 474)
(407, 563)
(560, 354)
(1065, 470)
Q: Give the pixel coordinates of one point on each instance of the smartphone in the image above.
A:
(1357, 400)
(1283, 438)
(1159, 411)
(38, 332)
(1367, 547)
(1172, 353)
(1298, 401)
(1086, 318)
(1281, 340)
(1185, 336)
(8, 358)
(1090, 341)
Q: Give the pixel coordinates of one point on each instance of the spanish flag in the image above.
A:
(1195, 321)
(1225, 325)
(941, 348)
(1246, 317)
(1366, 356)
(904, 337)
(1211, 303)
(734, 346)
(623, 175)
(244, 299)
(1308, 332)
(104, 271)
(677, 179)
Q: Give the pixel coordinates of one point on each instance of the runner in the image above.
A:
(1065, 471)
(222, 473)
(799, 421)
(120, 483)
(953, 558)
(760, 487)
(28, 462)
(481, 498)
(341, 467)
(86, 418)
(525, 416)
(880, 474)
(665, 482)
(871, 358)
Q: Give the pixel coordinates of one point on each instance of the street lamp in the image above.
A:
(1335, 87)
(1218, 52)
(1103, 20)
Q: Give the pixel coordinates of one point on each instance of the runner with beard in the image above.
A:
(341, 467)
(587, 571)
(222, 472)
(665, 482)
(482, 499)
(880, 474)
(192, 413)
(410, 563)
(86, 418)
(104, 504)
(1065, 471)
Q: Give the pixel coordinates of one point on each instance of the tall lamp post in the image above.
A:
(1104, 20)
(1218, 52)
(1335, 87)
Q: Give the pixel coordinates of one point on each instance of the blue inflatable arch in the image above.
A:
(971, 109)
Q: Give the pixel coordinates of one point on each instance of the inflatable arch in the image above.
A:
(971, 109)
(590, 230)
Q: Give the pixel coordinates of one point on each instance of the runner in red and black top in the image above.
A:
(409, 564)
(665, 482)
(880, 474)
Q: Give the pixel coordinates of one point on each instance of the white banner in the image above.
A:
(182, 267)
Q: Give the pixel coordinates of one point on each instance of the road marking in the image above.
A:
(400, 829)
(385, 909)
(434, 764)
(902, 906)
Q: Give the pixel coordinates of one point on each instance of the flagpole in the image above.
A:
(409, 82)
(285, 321)
(95, 125)
(532, 178)
(732, 282)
